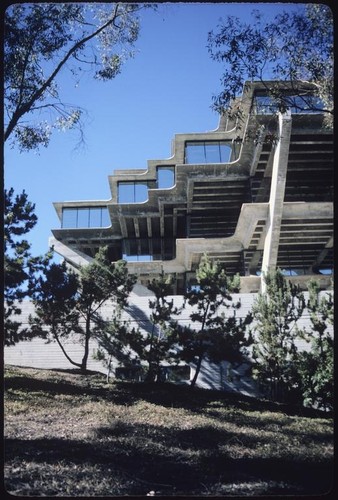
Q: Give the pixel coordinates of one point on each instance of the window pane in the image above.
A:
(137, 258)
(265, 105)
(212, 153)
(83, 217)
(135, 250)
(225, 151)
(69, 217)
(129, 258)
(132, 192)
(105, 217)
(141, 192)
(95, 217)
(165, 177)
(297, 104)
(144, 258)
(126, 192)
(305, 104)
(194, 152)
(207, 152)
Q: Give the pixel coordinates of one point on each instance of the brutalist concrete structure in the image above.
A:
(255, 194)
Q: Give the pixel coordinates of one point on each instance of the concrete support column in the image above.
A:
(276, 201)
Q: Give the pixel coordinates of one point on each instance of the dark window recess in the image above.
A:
(145, 249)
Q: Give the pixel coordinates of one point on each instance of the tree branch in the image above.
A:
(26, 107)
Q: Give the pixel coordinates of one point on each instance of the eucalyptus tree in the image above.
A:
(43, 41)
(296, 46)
(213, 334)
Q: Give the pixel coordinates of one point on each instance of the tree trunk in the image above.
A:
(151, 374)
(65, 353)
(198, 368)
(109, 368)
(86, 346)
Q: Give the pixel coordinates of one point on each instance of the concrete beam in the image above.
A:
(252, 267)
(73, 257)
(277, 191)
(321, 256)
(137, 227)
(149, 228)
(123, 226)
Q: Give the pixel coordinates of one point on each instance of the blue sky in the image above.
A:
(166, 89)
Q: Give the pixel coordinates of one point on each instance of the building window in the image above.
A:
(136, 250)
(82, 217)
(132, 192)
(147, 249)
(207, 152)
(267, 105)
(137, 258)
(165, 177)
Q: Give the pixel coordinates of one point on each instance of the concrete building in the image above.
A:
(254, 194)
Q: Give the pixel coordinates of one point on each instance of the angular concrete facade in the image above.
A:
(254, 195)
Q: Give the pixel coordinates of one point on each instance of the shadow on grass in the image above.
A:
(163, 394)
(183, 396)
(155, 466)
(61, 387)
(170, 459)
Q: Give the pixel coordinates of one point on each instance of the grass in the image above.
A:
(68, 434)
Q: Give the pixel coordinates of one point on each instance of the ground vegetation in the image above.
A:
(69, 434)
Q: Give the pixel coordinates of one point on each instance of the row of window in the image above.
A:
(195, 153)
(207, 152)
(137, 191)
(82, 217)
(266, 105)
(147, 249)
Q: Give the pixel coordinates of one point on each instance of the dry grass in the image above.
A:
(72, 435)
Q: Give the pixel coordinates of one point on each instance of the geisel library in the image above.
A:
(251, 202)
(254, 197)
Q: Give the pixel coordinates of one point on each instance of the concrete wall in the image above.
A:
(40, 354)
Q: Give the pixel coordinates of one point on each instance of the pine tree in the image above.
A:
(19, 264)
(316, 365)
(96, 283)
(213, 335)
(276, 313)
